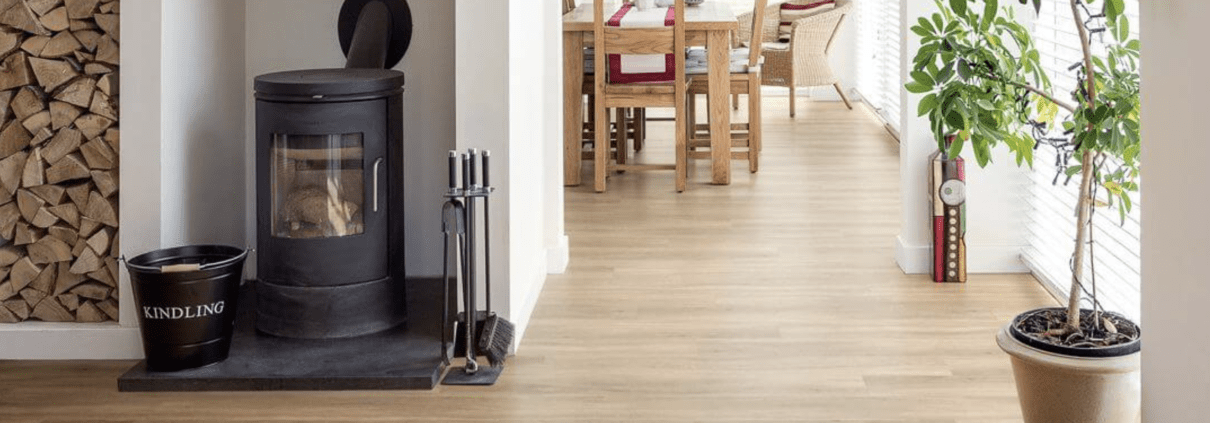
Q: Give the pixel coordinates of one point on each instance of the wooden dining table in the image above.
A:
(708, 24)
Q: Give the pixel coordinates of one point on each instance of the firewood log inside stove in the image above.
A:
(312, 212)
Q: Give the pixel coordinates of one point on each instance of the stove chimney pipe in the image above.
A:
(370, 37)
(374, 34)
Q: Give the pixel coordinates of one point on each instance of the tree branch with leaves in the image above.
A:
(984, 84)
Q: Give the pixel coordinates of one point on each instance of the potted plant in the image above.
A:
(984, 86)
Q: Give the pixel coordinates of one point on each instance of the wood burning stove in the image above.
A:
(329, 148)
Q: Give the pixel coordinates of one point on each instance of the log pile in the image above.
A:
(59, 144)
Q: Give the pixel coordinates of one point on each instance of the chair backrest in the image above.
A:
(843, 7)
(657, 40)
(758, 21)
(568, 6)
(772, 21)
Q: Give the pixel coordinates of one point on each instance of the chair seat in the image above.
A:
(700, 53)
(701, 68)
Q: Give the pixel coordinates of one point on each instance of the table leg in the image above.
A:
(719, 45)
(573, 105)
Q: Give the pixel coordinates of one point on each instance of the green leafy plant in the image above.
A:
(983, 84)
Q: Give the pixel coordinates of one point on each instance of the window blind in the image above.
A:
(878, 39)
(1051, 214)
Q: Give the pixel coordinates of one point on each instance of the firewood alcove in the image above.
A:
(59, 144)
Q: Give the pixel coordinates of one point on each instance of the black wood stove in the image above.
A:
(330, 209)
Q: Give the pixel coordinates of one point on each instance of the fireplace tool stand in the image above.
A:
(475, 329)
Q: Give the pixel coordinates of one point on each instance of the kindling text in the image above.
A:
(190, 312)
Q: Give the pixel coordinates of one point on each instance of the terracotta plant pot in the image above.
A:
(1062, 388)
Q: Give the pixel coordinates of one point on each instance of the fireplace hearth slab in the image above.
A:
(406, 357)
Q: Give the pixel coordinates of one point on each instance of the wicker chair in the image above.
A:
(803, 62)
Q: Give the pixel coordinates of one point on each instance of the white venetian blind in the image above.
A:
(878, 64)
(1051, 216)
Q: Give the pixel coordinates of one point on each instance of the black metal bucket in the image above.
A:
(186, 298)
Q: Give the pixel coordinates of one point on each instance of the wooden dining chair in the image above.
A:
(630, 122)
(628, 127)
(745, 78)
(608, 93)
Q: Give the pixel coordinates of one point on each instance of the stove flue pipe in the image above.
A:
(370, 37)
(374, 34)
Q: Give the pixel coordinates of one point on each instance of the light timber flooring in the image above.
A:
(773, 299)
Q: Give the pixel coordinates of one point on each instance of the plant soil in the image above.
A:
(1050, 326)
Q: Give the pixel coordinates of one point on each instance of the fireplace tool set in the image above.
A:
(477, 332)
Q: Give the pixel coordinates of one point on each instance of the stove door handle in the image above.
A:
(376, 164)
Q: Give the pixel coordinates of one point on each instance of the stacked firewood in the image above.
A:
(59, 160)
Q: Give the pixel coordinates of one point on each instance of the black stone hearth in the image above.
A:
(406, 357)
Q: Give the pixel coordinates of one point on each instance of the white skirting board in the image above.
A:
(558, 257)
(521, 315)
(820, 93)
(916, 259)
(69, 341)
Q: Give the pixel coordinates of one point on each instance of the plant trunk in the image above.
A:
(1085, 205)
(1085, 202)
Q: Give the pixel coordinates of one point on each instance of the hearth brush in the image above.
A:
(497, 334)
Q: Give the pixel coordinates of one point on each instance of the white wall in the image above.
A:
(202, 121)
(509, 102)
(537, 243)
(555, 239)
(301, 34)
(483, 118)
(995, 205)
(1176, 231)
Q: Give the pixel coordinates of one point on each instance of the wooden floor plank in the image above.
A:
(773, 299)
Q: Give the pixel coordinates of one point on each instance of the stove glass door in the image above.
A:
(318, 185)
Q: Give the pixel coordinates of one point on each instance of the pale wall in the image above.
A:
(509, 102)
(536, 243)
(1176, 230)
(203, 192)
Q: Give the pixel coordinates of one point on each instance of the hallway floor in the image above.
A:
(774, 299)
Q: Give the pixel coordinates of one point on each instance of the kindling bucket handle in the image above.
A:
(188, 267)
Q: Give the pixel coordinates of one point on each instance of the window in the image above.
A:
(878, 47)
(1051, 215)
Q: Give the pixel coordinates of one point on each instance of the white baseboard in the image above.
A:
(558, 257)
(912, 259)
(69, 341)
(521, 315)
(916, 259)
(820, 93)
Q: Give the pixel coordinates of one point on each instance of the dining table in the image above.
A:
(708, 24)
